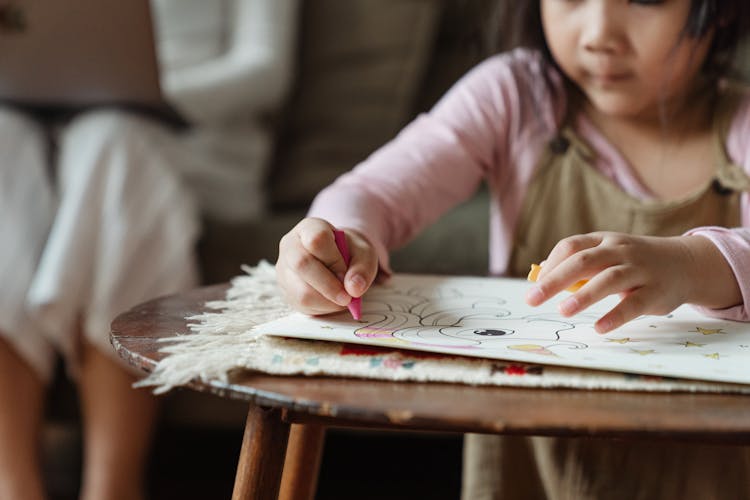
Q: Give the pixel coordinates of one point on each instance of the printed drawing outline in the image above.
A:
(449, 317)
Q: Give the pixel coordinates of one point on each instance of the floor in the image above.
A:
(193, 464)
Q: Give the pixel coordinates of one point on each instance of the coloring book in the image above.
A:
(488, 318)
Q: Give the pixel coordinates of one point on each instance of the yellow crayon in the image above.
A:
(534, 275)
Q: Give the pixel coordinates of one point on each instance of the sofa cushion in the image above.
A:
(465, 37)
(360, 65)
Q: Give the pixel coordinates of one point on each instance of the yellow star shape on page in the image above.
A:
(624, 340)
(687, 343)
(708, 331)
(644, 352)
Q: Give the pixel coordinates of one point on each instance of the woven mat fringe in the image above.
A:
(220, 338)
(224, 341)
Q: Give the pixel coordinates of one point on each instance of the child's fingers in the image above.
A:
(316, 237)
(298, 262)
(363, 267)
(633, 305)
(608, 282)
(581, 265)
(305, 298)
(567, 247)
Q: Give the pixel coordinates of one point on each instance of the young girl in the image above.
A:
(614, 151)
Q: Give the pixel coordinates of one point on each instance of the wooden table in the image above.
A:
(287, 415)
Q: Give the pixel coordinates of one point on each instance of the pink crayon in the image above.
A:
(355, 306)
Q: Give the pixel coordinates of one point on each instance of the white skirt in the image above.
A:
(115, 227)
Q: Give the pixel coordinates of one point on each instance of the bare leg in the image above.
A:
(21, 400)
(118, 426)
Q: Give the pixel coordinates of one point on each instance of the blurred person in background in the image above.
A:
(101, 211)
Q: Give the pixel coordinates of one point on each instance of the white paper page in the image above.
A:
(487, 317)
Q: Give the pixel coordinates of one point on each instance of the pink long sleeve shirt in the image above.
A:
(493, 126)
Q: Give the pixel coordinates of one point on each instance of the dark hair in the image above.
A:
(730, 19)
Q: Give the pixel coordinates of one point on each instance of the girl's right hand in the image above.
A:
(312, 273)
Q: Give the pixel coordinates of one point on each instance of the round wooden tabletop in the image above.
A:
(439, 406)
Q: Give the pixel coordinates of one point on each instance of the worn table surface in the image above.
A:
(441, 407)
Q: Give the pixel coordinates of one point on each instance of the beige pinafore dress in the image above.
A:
(569, 196)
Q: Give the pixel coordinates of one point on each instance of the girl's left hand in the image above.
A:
(652, 275)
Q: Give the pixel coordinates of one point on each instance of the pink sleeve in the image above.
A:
(435, 163)
(734, 243)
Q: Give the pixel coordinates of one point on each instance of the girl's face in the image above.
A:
(626, 56)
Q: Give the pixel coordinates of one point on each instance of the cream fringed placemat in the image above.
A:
(224, 341)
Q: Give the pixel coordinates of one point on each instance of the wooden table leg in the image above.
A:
(300, 478)
(262, 455)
